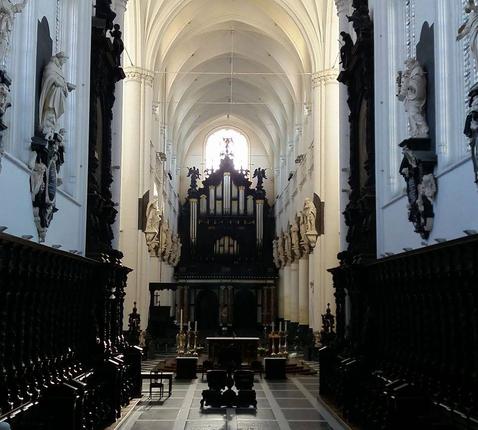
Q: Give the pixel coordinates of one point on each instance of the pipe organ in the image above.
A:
(233, 226)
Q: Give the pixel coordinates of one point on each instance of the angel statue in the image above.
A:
(260, 174)
(194, 175)
(470, 28)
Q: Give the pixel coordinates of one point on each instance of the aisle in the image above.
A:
(285, 405)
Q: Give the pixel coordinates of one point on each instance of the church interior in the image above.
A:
(238, 214)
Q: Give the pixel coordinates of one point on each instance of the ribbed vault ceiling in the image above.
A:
(246, 61)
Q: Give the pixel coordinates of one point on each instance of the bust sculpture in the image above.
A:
(412, 91)
(7, 17)
(470, 29)
(54, 91)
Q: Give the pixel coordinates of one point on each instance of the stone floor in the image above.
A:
(284, 405)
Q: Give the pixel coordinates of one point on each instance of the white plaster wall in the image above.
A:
(70, 30)
(397, 31)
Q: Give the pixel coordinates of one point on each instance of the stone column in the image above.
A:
(326, 183)
(294, 292)
(280, 298)
(135, 174)
(304, 290)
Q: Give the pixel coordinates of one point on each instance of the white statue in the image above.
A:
(178, 253)
(169, 245)
(281, 250)
(310, 213)
(7, 17)
(288, 246)
(174, 249)
(470, 29)
(153, 225)
(412, 91)
(304, 240)
(54, 91)
(295, 240)
(275, 253)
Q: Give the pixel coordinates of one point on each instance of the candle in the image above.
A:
(280, 325)
(195, 326)
(285, 327)
(189, 325)
(272, 326)
(181, 321)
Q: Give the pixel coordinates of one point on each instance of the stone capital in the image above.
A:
(343, 6)
(324, 76)
(139, 74)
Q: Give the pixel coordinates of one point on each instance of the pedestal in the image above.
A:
(186, 367)
(274, 368)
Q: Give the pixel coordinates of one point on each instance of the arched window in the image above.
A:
(216, 148)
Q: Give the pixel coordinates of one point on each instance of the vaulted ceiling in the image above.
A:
(247, 61)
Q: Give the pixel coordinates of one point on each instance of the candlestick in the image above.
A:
(181, 321)
(195, 326)
(189, 325)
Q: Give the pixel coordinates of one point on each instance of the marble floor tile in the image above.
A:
(294, 403)
(206, 425)
(258, 425)
(159, 414)
(153, 425)
(302, 414)
(261, 414)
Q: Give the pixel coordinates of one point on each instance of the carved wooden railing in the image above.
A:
(61, 341)
(409, 351)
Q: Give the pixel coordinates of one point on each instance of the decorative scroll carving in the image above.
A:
(106, 71)
(417, 170)
(358, 75)
(471, 128)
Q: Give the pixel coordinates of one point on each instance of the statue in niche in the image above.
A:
(304, 240)
(8, 10)
(281, 251)
(310, 213)
(174, 249)
(260, 174)
(164, 232)
(412, 91)
(194, 175)
(54, 91)
(275, 252)
(471, 130)
(346, 50)
(470, 29)
(178, 253)
(288, 246)
(295, 240)
(153, 225)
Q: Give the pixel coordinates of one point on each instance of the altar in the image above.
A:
(224, 350)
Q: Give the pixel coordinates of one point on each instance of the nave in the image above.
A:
(281, 405)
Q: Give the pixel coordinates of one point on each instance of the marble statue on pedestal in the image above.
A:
(177, 256)
(8, 10)
(54, 91)
(275, 253)
(288, 246)
(153, 225)
(412, 91)
(310, 213)
(295, 239)
(281, 250)
(163, 239)
(304, 240)
(470, 29)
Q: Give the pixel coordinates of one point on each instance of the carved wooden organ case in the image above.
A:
(226, 227)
